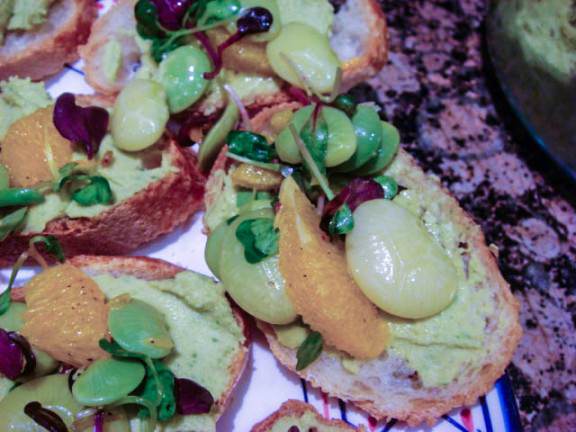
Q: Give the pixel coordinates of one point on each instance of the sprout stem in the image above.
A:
(314, 170)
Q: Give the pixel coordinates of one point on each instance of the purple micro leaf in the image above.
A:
(355, 193)
(171, 12)
(192, 398)
(83, 126)
(11, 357)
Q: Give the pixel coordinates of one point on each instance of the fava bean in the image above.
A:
(138, 327)
(215, 139)
(258, 288)
(301, 53)
(107, 381)
(385, 154)
(51, 391)
(368, 130)
(341, 138)
(397, 263)
(182, 75)
(140, 115)
(214, 247)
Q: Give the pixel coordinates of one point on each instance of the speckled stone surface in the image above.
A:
(439, 91)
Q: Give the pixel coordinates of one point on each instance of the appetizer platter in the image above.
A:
(227, 240)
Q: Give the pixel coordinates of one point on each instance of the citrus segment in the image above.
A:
(318, 283)
(253, 177)
(66, 315)
(34, 150)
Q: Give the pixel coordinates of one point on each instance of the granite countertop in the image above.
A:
(439, 91)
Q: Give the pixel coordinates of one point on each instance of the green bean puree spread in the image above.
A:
(19, 98)
(201, 323)
(437, 347)
(305, 422)
(126, 174)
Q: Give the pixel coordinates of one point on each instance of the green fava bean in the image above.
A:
(368, 130)
(182, 75)
(12, 221)
(51, 391)
(140, 115)
(4, 178)
(20, 197)
(214, 248)
(259, 288)
(217, 136)
(285, 144)
(107, 381)
(301, 52)
(341, 139)
(140, 328)
(385, 154)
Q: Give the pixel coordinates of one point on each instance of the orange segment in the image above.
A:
(318, 282)
(66, 315)
(253, 177)
(243, 56)
(33, 149)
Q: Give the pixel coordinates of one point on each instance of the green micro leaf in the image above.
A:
(309, 351)
(250, 145)
(64, 174)
(342, 222)
(158, 387)
(389, 185)
(159, 381)
(52, 245)
(162, 46)
(259, 238)
(5, 299)
(147, 20)
(97, 191)
(218, 11)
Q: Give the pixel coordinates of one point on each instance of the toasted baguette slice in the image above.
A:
(359, 38)
(388, 386)
(42, 52)
(158, 209)
(297, 416)
(151, 269)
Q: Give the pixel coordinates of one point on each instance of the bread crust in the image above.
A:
(375, 47)
(56, 45)
(158, 209)
(296, 408)
(413, 406)
(356, 70)
(155, 269)
(428, 408)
